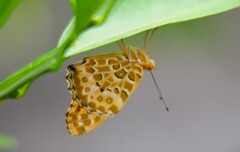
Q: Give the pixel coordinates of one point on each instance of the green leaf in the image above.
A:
(129, 17)
(6, 8)
(16, 85)
(89, 12)
(7, 142)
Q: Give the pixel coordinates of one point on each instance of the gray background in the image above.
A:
(198, 71)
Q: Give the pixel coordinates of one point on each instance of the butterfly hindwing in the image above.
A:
(81, 120)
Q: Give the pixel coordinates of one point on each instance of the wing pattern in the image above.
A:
(100, 87)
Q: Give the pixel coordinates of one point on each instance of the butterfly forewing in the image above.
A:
(100, 87)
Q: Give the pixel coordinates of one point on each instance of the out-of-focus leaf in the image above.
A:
(89, 12)
(6, 9)
(7, 143)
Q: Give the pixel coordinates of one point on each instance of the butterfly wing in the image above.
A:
(100, 87)
(81, 120)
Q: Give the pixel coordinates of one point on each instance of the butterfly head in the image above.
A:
(135, 54)
(151, 64)
(147, 62)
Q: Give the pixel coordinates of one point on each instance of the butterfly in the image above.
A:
(101, 85)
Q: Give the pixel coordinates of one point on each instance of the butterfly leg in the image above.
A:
(124, 48)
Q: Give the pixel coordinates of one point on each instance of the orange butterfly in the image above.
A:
(101, 85)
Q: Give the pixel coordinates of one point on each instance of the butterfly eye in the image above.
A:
(151, 65)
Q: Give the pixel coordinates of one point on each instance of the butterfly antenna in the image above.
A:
(121, 44)
(124, 49)
(159, 92)
(150, 40)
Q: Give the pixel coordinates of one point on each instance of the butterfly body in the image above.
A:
(101, 85)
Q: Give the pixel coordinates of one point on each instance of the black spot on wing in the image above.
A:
(97, 84)
(101, 89)
(82, 62)
(71, 67)
(139, 75)
(120, 74)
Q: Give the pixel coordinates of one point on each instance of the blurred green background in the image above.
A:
(197, 70)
